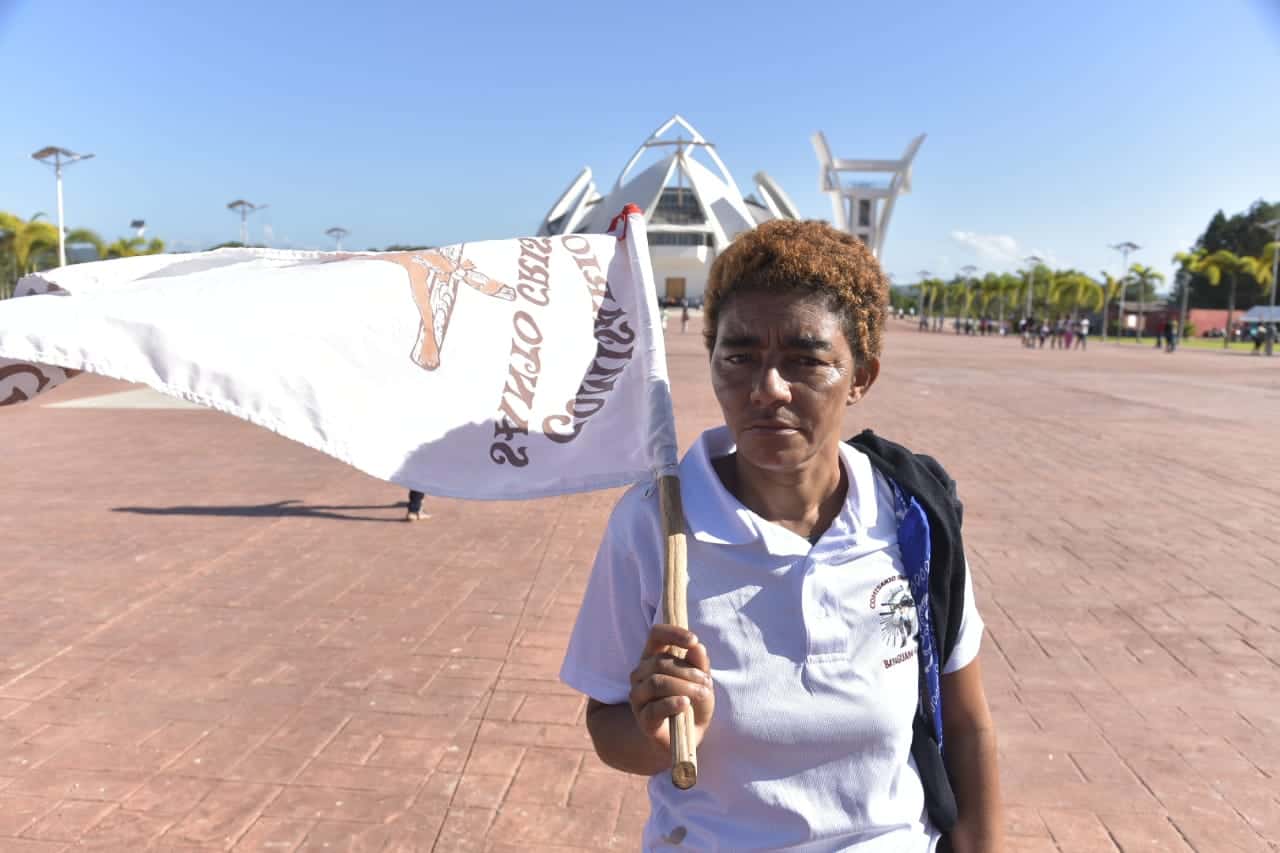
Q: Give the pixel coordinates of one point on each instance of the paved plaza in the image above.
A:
(212, 638)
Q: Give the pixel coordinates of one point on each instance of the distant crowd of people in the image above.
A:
(1062, 334)
(962, 326)
(1035, 333)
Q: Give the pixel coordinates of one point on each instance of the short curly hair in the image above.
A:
(805, 258)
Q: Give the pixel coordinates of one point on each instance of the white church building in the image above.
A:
(694, 208)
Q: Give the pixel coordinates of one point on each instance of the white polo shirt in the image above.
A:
(812, 658)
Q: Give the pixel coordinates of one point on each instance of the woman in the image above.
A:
(803, 664)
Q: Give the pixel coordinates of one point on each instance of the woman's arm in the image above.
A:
(634, 737)
(970, 739)
(620, 743)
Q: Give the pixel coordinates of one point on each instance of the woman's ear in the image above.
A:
(864, 376)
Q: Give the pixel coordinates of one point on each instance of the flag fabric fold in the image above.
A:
(493, 370)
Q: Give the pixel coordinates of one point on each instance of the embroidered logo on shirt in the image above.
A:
(899, 624)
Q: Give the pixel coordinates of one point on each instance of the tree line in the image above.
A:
(31, 245)
(1238, 251)
(1233, 240)
(1040, 292)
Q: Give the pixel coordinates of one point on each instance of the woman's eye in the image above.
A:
(738, 358)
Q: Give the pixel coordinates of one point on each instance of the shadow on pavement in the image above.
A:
(279, 509)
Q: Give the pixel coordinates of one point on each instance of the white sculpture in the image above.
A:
(864, 207)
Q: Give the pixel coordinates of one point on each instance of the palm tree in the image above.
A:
(33, 243)
(989, 291)
(1040, 280)
(1215, 266)
(939, 289)
(1073, 290)
(24, 239)
(1262, 268)
(1186, 259)
(1187, 262)
(971, 285)
(1111, 288)
(9, 227)
(44, 250)
(997, 285)
(1011, 285)
(86, 237)
(27, 245)
(928, 299)
(959, 294)
(22, 243)
(1144, 277)
(127, 247)
(1060, 296)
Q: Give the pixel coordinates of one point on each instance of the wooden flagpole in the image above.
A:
(675, 611)
(675, 569)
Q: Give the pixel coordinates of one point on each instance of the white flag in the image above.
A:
(497, 370)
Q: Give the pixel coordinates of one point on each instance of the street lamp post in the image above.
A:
(244, 208)
(1274, 225)
(337, 232)
(1124, 249)
(57, 158)
(967, 271)
(892, 293)
(1035, 261)
(1183, 280)
(925, 314)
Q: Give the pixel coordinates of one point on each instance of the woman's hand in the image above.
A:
(663, 685)
(634, 736)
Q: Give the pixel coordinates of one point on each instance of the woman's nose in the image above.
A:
(770, 388)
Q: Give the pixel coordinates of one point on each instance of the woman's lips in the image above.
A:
(774, 429)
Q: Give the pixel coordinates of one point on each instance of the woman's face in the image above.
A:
(783, 374)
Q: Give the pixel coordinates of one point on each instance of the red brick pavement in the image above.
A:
(212, 638)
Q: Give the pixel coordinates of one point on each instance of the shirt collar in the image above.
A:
(713, 515)
(716, 517)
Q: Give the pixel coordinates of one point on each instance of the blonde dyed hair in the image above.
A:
(808, 259)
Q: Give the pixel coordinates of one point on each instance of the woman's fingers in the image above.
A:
(657, 687)
(674, 673)
(653, 716)
(663, 686)
(668, 665)
(697, 657)
(663, 637)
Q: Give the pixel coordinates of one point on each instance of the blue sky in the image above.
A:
(1053, 128)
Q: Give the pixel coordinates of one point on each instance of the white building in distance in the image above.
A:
(693, 207)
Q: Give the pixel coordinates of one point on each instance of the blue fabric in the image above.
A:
(913, 541)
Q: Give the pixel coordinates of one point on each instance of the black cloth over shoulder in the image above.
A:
(924, 479)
